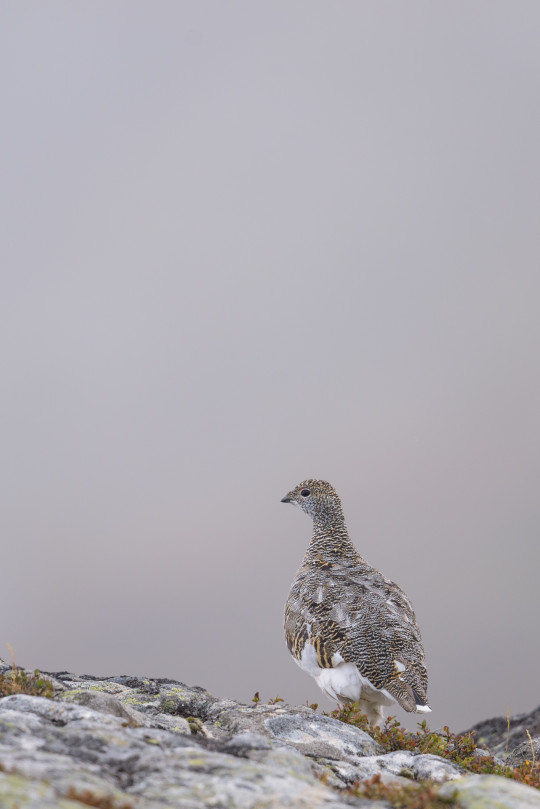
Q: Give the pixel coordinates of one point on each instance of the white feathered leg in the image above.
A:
(373, 711)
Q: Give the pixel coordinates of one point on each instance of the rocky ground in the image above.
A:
(131, 743)
(501, 736)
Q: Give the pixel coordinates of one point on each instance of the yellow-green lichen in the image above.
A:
(197, 762)
(181, 692)
(108, 688)
(69, 696)
(134, 700)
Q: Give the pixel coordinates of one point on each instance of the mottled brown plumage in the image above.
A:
(345, 623)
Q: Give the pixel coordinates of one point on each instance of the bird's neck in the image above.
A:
(330, 538)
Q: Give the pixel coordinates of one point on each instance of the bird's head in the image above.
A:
(317, 498)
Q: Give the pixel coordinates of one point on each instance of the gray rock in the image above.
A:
(526, 751)
(244, 743)
(107, 703)
(390, 766)
(149, 744)
(322, 737)
(75, 791)
(398, 765)
(17, 792)
(182, 701)
(490, 792)
(201, 778)
(434, 768)
(500, 735)
(59, 753)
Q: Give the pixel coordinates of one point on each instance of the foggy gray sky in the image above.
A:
(249, 243)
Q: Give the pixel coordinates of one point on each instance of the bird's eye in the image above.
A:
(305, 492)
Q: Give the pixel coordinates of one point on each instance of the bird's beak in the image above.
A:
(286, 499)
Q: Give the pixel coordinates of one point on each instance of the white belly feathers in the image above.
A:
(343, 681)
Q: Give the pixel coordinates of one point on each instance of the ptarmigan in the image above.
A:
(345, 623)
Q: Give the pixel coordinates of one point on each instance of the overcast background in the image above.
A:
(247, 243)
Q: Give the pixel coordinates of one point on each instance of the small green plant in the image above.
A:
(459, 750)
(256, 698)
(17, 681)
(195, 724)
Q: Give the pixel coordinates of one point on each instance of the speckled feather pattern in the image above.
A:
(348, 611)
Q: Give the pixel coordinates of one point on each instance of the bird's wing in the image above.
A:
(350, 612)
(383, 639)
